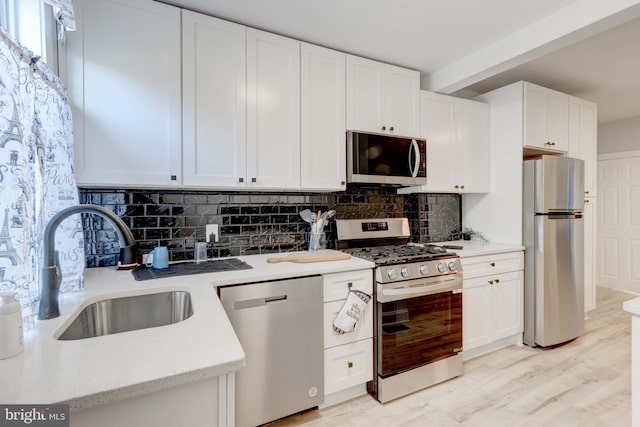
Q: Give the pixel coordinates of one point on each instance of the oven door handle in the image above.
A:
(395, 294)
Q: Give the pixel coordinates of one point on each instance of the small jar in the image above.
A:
(10, 325)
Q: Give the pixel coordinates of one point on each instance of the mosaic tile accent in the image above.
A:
(251, 223)
(434, 217)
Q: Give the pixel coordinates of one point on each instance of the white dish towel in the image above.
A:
(351, 312)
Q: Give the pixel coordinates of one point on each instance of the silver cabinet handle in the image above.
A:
(240, 179)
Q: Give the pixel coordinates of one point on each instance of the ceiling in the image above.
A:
(464, 47)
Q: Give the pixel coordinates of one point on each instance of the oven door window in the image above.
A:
(417, 331)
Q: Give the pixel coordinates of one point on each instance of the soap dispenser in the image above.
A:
(10, 325)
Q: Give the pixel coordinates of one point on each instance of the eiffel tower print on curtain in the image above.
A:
(13, 132)
(6, 248)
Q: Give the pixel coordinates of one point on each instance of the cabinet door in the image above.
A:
(323, 129)
(476, 313)
(546, 114)
(124, 91)
(507, 301)
(273, 110)
(589, 253)
(347, 366)
(214, 101)
(583, 139)
(473, 147)
(365, 94)
(438, 123)
(362, 331)
(402, 101)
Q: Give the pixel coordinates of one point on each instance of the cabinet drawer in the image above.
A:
(486, 265)
(348, 365)
(364, 329)
(337, 285)
(492, 280)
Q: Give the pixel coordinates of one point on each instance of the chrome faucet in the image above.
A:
(51, 277)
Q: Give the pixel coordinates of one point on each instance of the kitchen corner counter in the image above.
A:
(100, 370)
(632, 306)
(478, 247)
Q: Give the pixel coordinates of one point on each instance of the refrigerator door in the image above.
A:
(559, 185)
(559, 278)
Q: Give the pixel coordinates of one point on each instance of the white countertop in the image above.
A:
(477, 247)
(632, 306)
(99, 370)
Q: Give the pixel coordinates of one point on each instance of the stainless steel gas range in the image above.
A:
(418, 306)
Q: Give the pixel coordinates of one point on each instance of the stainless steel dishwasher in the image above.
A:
(279, 325)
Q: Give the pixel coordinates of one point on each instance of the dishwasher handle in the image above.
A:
(258, 302)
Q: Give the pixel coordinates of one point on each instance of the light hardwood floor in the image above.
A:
(586, 382)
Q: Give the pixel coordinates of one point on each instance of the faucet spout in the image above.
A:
(50, 273)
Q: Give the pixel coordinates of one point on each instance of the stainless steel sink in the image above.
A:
(112, 316)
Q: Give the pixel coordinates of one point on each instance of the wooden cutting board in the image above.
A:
(319, 256)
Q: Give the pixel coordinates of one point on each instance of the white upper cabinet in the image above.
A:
(214, 102)
(583, 122)
(273, 110)
(322, 118)
(382, 98)
(546, 118)
(457, 134)
(124, 89)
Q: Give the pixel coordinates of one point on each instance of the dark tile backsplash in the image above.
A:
(253, 223)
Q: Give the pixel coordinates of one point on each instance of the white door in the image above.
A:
(365, 94)
(402, 101)
(323, 129)
(273, 110)
(124, 90)
(473, 147)
(618, 219)
(476, 313)
(214, 102)
(507, 296)
(546, 118)
(438, 124)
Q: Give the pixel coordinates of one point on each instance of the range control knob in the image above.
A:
(452, 266)
(442, 267)
(392, 273)
(424, 269)
(405, 272)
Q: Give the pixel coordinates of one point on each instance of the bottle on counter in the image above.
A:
(10, 325)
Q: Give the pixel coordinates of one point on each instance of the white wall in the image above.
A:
(622, 135)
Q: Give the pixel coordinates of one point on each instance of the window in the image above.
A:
(31, 22)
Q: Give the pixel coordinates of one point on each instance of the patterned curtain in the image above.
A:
(36, 175)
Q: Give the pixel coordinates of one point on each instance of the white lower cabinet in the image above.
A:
(347, 366)
(492, 302)
(348, 358)
(182, 405)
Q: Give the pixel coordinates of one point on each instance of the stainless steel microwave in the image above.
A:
(386, 159)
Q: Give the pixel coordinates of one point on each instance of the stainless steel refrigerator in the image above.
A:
(553, 202)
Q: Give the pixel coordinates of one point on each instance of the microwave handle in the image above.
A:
(416, 163)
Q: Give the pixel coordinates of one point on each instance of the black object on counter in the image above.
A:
(453, 247)
(143, 272)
